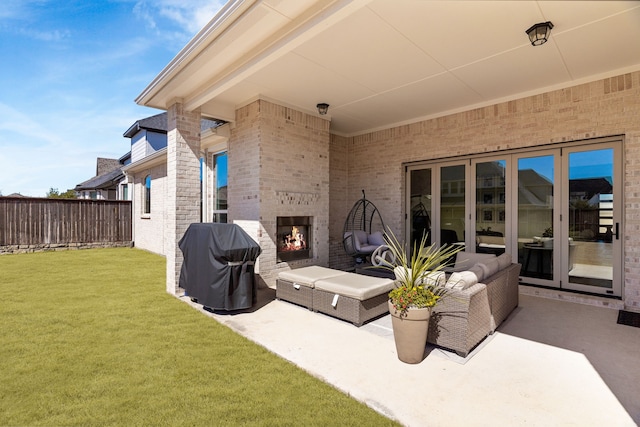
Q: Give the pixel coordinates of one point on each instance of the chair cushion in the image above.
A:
(376, 239)
(361, 236)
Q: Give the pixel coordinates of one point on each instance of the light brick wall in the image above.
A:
(146, 235)
(598, 109)
(339, 204)
(279, 166)
(183, 184)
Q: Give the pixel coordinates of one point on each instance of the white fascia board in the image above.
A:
(231, 11)
(155, 159)
(317, 19)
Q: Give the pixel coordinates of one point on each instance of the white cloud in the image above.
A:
(188, 16)
(46, 36)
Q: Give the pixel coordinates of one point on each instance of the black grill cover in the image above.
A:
(218, 266)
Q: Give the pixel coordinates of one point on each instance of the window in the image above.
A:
(220, 187)
(147, 195)
(125, 192)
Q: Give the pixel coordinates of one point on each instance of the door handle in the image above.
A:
(617, 231)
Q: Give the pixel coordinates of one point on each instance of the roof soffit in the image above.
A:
(382, 63)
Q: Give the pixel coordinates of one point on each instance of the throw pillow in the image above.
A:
(504, 261)
(376, 239)
(478, 271)
(489, 267)
(466, 260)
(434, 278)
(461, 280)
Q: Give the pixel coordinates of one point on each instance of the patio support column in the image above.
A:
(183, 184)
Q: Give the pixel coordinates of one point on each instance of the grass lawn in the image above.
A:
(91, 338)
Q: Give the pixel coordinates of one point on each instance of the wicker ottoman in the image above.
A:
(295, 285)
(355, 298)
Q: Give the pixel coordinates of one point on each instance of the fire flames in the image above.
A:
(294, 241)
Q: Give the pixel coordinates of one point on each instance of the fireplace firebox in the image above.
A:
(293, 237)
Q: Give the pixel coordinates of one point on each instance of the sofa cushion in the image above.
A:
(489, 267)
(466, 260)
(376, 239)
(504, 261)
(461, 280)
(478, 271)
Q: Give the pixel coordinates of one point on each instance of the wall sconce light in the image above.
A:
(322, 108)
(539, 33)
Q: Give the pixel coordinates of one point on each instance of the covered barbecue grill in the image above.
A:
(218, 266)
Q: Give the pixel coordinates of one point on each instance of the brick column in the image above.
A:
(183, 184)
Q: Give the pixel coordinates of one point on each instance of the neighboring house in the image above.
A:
(147, 173)
(422, 95)
(108, 182)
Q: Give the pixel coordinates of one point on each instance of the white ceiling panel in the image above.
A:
(600, 49)
(384, 62)
(517, 71)
(463, 34)
(443, 91)
(364, 49)
(298, 80)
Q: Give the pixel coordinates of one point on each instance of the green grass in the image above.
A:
(91, 338)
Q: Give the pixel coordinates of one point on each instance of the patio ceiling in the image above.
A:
(380, 63)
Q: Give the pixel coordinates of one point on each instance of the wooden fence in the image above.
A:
(40, 223)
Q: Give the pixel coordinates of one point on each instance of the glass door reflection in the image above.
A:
(491, 212)
(593, 234)
(536, 216)
(452, 205)
(420, 208)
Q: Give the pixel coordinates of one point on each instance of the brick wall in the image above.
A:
(146, 227)
(339, 204)
(279, 166)
(598, 109)
(183, 184)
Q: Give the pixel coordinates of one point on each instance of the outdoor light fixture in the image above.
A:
(322, 108)
(539, 33)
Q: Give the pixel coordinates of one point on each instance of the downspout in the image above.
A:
(201, 189)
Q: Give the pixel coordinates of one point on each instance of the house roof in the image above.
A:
(106, 180)
(157, 123)
(381, 63)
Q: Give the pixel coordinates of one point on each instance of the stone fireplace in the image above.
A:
(294, 238)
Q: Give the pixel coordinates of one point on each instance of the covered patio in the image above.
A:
(430, 84)
(407, 84)
(552, 363)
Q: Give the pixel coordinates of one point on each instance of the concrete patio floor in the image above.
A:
(551, 363)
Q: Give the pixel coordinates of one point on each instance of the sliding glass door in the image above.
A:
(557, 211)
(592, 207)
(535, 212)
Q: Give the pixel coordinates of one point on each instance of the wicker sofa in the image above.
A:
(483, 291)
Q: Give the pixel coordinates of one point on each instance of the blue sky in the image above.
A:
(69, 75)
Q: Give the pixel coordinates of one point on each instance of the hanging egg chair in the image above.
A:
(363, 229)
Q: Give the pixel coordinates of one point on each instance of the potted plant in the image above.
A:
(547, 237)
(418, 288)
